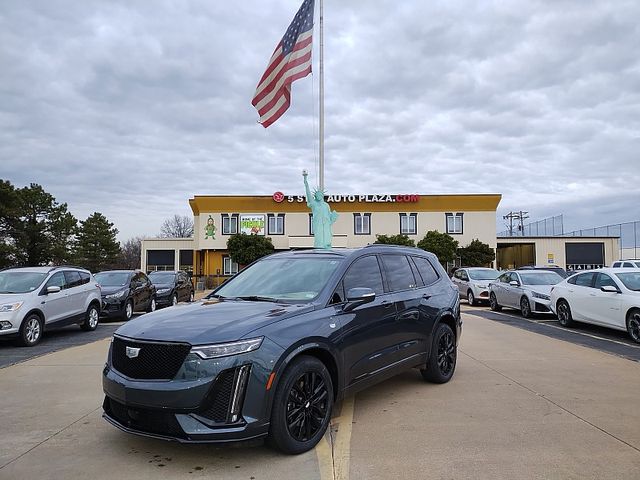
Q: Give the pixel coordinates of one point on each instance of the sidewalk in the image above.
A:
(520, 406)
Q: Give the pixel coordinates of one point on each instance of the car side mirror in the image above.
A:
(513, 283)
(609, 289)
(358, 296)
(53, 289)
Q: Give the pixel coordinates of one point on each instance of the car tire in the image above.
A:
(91, 318)
(128, 310)
(471, 298)
(525, 308)
(493, 303)
(294, 391)
(633, 325)
(174, 300)
(442, 360)
(564, 313)
(30, 330)
(152, 305)
(192, 296)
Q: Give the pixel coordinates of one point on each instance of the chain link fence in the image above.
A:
(628, 232)
(548, 227)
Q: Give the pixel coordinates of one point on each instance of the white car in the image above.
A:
(524, 290)
(473, 283)
(631, 263)
(609, 297)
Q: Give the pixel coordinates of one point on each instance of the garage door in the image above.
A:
(584, 256)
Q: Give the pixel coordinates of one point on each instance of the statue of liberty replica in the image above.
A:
(323, 216)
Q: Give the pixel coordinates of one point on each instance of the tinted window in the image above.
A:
(85, 277)
(604, 280)
(616, 264)
(338, 294)
(112, 279)
(427, 272)
(57, 280)
(464, 276)
(364, 272)
(584, 279)
(505, 277)
(399, 272)
(627, 264)
(72, 278)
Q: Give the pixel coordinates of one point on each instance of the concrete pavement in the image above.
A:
(521, 405)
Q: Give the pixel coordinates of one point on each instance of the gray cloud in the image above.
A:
(132, 108)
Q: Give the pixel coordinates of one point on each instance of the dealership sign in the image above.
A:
(252, 224)
(279, 197)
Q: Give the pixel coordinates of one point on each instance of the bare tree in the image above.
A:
(130, 253)
(178, 226)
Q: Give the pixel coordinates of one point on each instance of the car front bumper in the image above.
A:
(196, 411)
(10, 323)
(540, 305)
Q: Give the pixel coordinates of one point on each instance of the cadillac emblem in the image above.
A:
(132, 352)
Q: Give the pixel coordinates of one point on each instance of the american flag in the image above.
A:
(290, 61)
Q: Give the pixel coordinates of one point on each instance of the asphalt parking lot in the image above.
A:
(521, 405)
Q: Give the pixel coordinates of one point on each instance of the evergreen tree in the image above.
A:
(41, 230)
(395, 240)
(442, 245)
(96, 245)
(245, 249)
(8, 219)
(476, 254)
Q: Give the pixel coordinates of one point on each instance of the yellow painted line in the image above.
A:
(334, 450)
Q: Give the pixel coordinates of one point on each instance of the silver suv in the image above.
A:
(34, 299)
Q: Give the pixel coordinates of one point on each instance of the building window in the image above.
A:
(229, 267)
(311, 224)
(362, 223)
(408, 223)
(229, 224)
(275, 224)
(454, 222)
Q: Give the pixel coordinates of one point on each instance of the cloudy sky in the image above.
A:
(131, 108)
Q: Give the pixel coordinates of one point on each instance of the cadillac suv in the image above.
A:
(270, 351)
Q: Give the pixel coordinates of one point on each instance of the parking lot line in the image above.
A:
(334, 450)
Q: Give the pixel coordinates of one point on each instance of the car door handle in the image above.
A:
(427, 296)
(386, 304)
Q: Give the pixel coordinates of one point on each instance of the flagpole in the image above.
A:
(321, 109)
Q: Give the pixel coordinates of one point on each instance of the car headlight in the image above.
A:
(540, 295)
(116, 295)
(480, 285)
(10, 307)
(227, 349)
(163, 291)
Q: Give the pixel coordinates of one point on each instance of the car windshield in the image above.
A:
(631, 280)
(20, 282)
(540, 278)
(288, 278)
(160, 278)
(483, 274)
(112, 279)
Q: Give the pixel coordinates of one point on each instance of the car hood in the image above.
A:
(12, 297)
(208, 321)
(546, 289)
(110, 290)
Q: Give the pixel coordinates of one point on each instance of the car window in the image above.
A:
(627, 264)
(514, 277)
(539, 277)
(364, 272)
(631, 280)
(338, 295)
(416, 275)
(505, 277)
(85, 277)
(426, 270)
(615, 264)
(483, 274)
(604, 280)
(584, 279)
(399, 274)
(72, 278)
(456, 274)
(464, 276)
(56, 280)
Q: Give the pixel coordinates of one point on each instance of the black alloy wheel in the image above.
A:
(442, 361)
(633, 325)
(301, 406)
(564, 313)
(525, 307)
(493, 303)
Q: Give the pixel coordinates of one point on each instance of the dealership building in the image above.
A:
(287, 220)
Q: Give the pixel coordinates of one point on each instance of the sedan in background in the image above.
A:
(172, 287)
(473, 283)
(524, 290)
(609, 297)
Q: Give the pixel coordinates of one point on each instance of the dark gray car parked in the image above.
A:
(172, 287)
(271, 350)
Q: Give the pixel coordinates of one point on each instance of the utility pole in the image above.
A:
(520, 216)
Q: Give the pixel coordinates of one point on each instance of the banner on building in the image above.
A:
(252, 224)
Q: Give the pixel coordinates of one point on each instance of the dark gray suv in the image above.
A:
(271, 350)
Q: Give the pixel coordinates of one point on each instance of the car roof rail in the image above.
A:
(67, 266)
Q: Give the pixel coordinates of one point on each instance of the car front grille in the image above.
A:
(154, 361)
(144, 420)
(218, 401)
